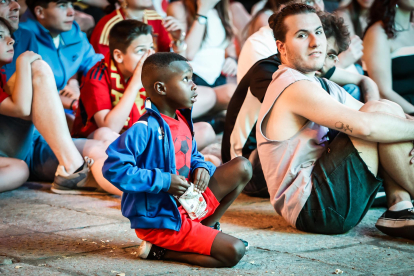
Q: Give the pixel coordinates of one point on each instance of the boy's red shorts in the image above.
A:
(192, 237)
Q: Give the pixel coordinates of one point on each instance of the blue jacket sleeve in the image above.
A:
(121, 169)
(90, 58)
(197, 161)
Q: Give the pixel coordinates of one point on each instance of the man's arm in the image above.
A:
(308, 100)
(367, 85)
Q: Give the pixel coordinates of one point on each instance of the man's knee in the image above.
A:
(383, 106)
(243, 169)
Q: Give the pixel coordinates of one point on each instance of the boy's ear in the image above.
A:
(160, 88)
(39, 12)
(118, 56)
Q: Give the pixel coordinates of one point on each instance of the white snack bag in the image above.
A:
(193, 202)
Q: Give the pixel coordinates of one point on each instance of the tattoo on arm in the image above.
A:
(340, 125)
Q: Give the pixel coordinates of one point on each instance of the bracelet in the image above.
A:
(200, 15)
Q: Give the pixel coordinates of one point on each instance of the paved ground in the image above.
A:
(42, 233)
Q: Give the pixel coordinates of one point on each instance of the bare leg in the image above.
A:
(393, 157)
(206, 100)
(226, 184)
(13, 173)
(49, 118)
(104, 134)
(226, 251)
(96, 150)
(204, 135)
(224, 94)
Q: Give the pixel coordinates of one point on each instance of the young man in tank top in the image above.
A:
(320, 182)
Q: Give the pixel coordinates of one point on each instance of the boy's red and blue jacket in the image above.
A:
(140, 163)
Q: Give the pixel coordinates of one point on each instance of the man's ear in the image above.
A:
(160, 88)
(39, 12)
(118, 56)
(281, 48)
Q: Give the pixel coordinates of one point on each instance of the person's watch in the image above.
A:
(201, 19)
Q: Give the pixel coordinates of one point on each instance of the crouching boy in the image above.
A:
(154, 162)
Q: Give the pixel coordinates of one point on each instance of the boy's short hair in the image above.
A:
(276, 21)
(124, 32)
(6, 24)
(32, 4)
(335, 26)
(158, 61)
(154, 65)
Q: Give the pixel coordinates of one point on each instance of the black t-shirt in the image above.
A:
(257, 79)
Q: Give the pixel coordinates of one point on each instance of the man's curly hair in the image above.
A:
(334, 26)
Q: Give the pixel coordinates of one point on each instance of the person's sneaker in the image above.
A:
(397, 224)
(74, 184)
(150, 251)
(380, 198)
(218, 227)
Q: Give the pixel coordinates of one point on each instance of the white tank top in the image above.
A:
(287, 165)
(208, 61)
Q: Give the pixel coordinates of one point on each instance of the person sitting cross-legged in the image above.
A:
(153, 162)
(318, 181)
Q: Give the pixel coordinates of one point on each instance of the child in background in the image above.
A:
(151, 163)
(112, 97)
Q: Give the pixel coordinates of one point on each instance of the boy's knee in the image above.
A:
(40, 67)
(236, 251)
(244, 169)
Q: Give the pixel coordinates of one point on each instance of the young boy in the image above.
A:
(151, 163)
(112, 97)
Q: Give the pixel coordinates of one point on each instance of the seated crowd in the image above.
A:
(316, 111)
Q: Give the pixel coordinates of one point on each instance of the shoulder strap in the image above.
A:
(324, 84)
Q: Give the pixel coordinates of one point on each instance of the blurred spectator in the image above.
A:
(210, 50)
(355, 15)
(141, 10)
(61, 44)
(24, 40)
(389, 50)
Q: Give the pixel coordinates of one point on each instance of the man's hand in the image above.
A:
(178, 185)
(174, 27)
(201, 178)
(353, 54)
(229, 67)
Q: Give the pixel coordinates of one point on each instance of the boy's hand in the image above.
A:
(174, 27)
(178, 185)
(138, 70)
(29, 57)
(201, 178)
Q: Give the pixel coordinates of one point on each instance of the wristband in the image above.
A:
(74, 105)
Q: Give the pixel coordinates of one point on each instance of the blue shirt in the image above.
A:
(75, 53)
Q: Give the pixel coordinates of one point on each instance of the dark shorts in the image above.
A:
(343, 190)
(221, 80)
(20, 139)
